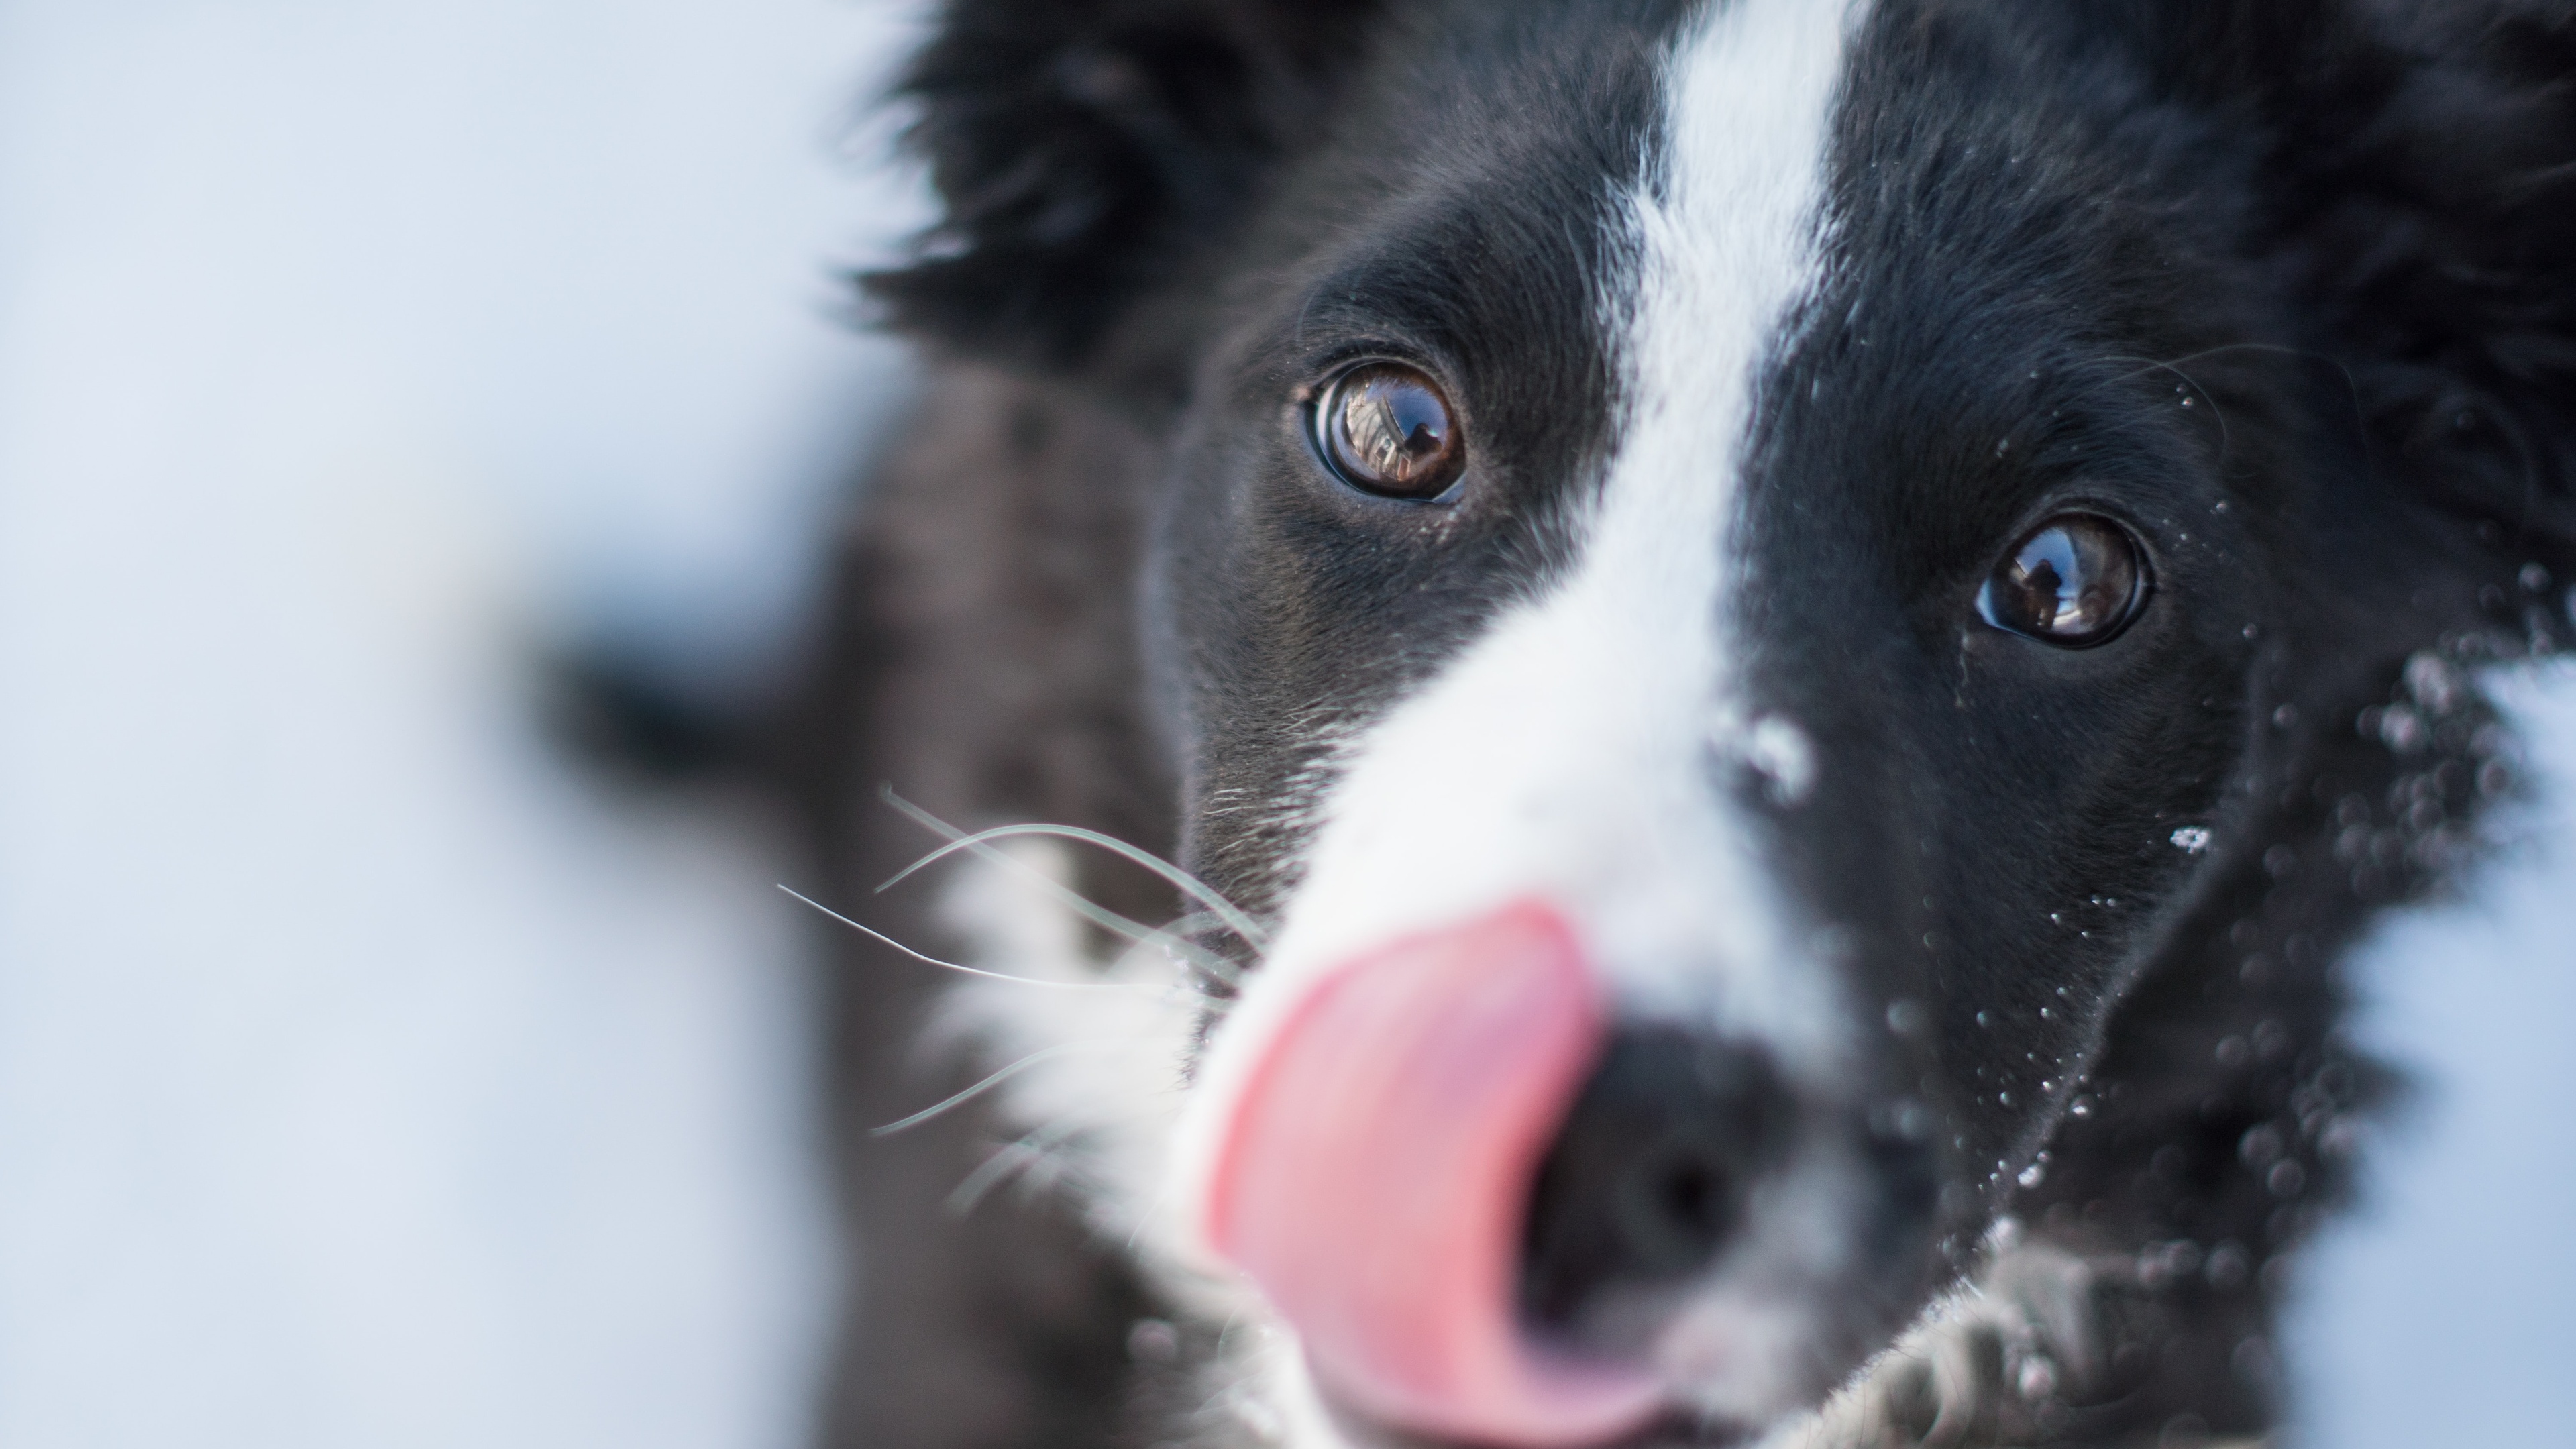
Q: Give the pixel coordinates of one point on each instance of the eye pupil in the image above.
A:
(2074, 581)
(1387, 429)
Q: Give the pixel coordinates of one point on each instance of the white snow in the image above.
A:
(364, 1079)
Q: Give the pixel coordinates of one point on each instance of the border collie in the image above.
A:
(1776, 642)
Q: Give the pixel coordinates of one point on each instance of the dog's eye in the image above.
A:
(2076, 580)
(1387, 429)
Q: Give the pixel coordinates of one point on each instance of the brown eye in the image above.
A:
(2076, 580)
(1387, 429)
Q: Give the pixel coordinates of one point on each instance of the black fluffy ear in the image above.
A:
(1083, 148)
(2425, 201)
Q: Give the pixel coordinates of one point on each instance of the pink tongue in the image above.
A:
(1376, 1170)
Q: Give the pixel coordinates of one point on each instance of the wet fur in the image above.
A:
(2394, 191)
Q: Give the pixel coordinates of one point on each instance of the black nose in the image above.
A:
(1648, 1177)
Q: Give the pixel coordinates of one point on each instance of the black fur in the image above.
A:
(2281, 282)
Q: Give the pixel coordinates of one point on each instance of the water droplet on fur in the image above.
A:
(2081, 1107)
(2004, 1097)
(2402, 730)
(2253, 1361)
(2535, 579)
(1257, 1416)
(2253, 631)
(2234, 1051)
(2037, 1379)
(2433, 682)
(2033, 1175)
(1780, 752)
(1905, 1119)
(2183, 1431)
(1907, 1017)
(1153, 1340)
(2286, 1178)
(2286, 717)
(1986, 1019)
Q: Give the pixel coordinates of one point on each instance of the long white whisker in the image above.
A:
(957, 839)
(1100, 916)
(1235, 919)
(1012, 1157)
(1174, 941)
(879, 936)
(997, 1079)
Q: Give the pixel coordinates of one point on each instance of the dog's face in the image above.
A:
(1727, 574)
(1641, 534)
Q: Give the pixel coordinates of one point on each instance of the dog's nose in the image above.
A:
(1371, 1173)
(1647, 1179)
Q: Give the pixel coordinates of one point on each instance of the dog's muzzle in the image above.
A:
(1444, 1152)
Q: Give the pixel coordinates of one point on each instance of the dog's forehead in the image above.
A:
(1566, 751)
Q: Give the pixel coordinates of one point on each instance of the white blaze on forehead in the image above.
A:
(1567, 753)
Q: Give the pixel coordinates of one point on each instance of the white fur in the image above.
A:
(1099, 1109)
(1567, 752)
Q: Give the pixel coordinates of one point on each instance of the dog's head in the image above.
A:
(1728, 575)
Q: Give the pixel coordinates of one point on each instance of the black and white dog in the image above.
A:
(1782, 638)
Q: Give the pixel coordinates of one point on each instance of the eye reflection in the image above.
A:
(1388, 429)
(2074, 581)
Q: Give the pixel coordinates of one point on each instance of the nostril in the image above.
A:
(1647, 1179)
(1674, 1204)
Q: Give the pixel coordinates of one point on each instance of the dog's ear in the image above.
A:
(1082, 148)
(2422, 208)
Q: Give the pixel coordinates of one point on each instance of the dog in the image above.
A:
(1712, 685)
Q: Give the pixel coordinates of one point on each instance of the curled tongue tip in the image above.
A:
(1376, 1166)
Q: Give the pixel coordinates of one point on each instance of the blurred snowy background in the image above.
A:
(366, 1079)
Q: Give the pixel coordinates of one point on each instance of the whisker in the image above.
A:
(1098, 915)
(997, 1079)
(1026, 1153)
(1011, 1157)
(957, 839)
(1235, 919)
(879, 936)
(1174, 940)
(2226, 437)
